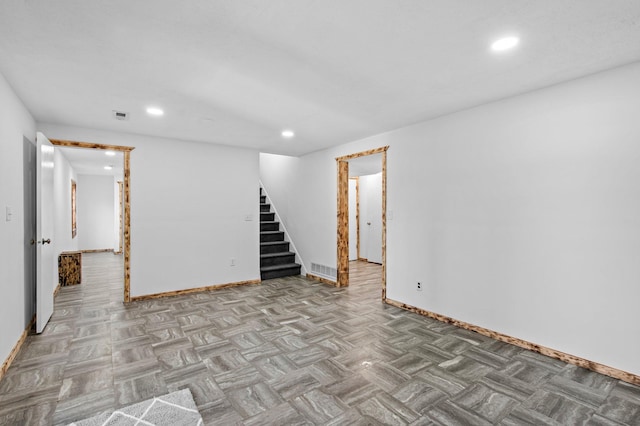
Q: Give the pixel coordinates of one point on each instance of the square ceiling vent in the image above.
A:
(120, 115)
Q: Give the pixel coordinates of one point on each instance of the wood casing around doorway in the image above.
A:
(126, 150)
(343, 216)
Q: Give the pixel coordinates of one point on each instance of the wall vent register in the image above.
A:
(324, 271)
(120, 115)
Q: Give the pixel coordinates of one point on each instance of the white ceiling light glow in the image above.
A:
(155, 111)
(108, 167)
(505, 43)
(288, 134)
(110, 153)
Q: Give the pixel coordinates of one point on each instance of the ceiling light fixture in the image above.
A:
(505, 43)
(108, 167)
(288, 134)
(155, 111)
(109, 153)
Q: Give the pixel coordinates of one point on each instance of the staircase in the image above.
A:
(275, 258)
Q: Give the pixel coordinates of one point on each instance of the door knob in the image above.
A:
(47, 241)
(32, 242)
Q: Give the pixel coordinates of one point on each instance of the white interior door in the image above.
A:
(373, 191)
(45, 270)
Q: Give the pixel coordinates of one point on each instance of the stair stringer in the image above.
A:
(287, 237)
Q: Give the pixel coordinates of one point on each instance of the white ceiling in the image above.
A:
(238, 72)
(92, 161)
(367, 165)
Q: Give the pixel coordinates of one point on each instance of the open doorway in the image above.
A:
(343, 247)
(365, 209)
(120, 183)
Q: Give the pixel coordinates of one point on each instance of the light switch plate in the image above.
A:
(9, 214)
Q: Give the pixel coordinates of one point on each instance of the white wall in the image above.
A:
(521, 216)
(116, 214)
(188, 206)
(15, 310)
(96, 219)
(353, 219)
(63, 173)
(371, 217)
(278, 172)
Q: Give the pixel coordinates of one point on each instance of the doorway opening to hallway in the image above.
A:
(362, 199)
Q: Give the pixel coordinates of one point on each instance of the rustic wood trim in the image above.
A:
(322, 280)
(96, 251)
(91, 145)
(126, 150)
(343, 224)
(74, 215)
(16, 349)
(553, 353)
(363, 153)
(363, 259)
(127, 227)
(193, 290)
(384, 224)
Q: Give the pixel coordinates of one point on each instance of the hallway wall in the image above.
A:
(63, 173)
(15, 308)
(96, 212)
(353, 219)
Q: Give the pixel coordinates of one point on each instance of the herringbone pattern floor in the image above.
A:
(290, 351)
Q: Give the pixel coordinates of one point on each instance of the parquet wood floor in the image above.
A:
(290, 351)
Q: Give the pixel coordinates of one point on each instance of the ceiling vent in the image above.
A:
(120, 115)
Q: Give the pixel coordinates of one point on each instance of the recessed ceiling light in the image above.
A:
(109, 153)
(108, 167)
(155, 111)
(505, 43)
(288, 134)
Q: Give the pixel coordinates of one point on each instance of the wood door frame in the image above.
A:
(126, 150)
(343, 217)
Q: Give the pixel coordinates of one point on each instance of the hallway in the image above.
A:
(290, 351)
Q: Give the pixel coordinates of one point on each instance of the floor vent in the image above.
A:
(324, 271)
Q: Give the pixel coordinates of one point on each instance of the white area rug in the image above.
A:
(174, 409)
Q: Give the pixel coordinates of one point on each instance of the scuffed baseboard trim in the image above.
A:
(322, 280)
(568, 358)
(193, 290)
(16, 349)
